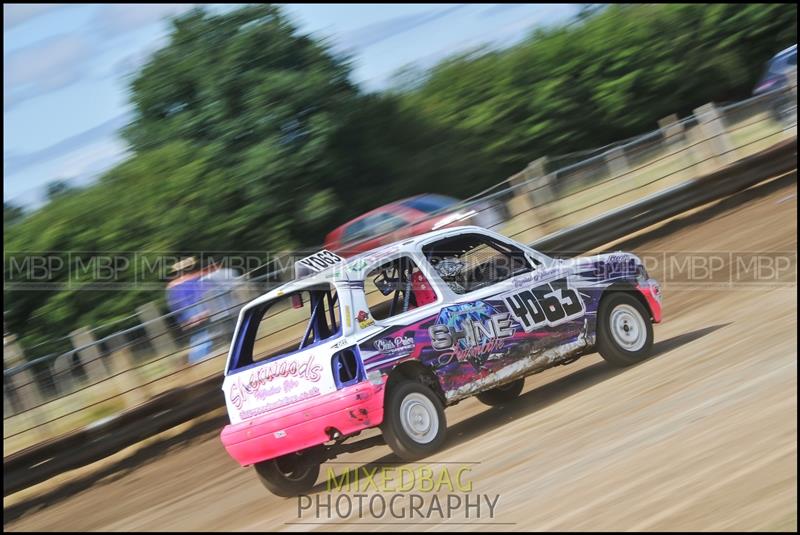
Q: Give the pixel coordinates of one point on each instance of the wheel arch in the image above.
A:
(628, 287)
(414, 370)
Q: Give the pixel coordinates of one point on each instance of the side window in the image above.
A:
(396, 287)
(430, 203)
(384, 223)
(469, 262)
(354, 231)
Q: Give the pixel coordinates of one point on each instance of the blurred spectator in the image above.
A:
(184, 296)
(217, 282)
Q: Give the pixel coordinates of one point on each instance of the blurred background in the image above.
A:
(150, 145)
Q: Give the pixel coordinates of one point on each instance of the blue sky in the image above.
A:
(66, 67)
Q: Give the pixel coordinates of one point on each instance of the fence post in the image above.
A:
(89, 354)
(532, 192)
(616, 162)
(129, 382)
(156, 327)
(29, 399)
(672, 129)
(10, 407)
(62, 374)
(717, 146)
(21, 386)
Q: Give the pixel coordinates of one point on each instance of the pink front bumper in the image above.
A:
(304, 424)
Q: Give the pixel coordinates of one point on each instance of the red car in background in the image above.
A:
(405, 218)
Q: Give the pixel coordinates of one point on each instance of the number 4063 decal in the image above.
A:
(551, 304)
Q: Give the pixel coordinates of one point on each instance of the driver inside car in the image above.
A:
(450, 269)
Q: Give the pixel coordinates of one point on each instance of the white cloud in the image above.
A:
(115, 19)
(16, 14)
(43, 67)
(89, 160)
(15, 162)
(379, 31)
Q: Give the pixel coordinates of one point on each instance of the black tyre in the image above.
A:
(414, 425)
(502, 394)
(624, 330)
(290, 474)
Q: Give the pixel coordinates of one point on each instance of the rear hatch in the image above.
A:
(281, 352)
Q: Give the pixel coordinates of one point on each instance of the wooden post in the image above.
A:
(672, 129)
(30, 400)
(717, 146)
(62, 374)
(89, 354)
(157, 329)
(10, 406)
(616, 161)
(529, 209)
(126, 377)
(24, 384)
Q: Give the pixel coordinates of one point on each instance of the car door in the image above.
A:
(502, 321)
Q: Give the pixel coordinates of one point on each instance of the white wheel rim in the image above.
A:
(628, 328)
(419, 418)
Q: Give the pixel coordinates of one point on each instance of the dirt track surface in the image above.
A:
(702, 436)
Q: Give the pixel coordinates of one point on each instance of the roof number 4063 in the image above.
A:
(321, 260)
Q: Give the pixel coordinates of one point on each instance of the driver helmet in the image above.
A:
(449, 269)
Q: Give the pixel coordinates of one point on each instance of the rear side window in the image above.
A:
(286, 325)
(396, 287)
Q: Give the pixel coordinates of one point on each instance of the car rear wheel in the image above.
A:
(502, 394)
(414, 424)
(290, 475)
(624, 330)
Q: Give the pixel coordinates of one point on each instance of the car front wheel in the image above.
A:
(624, 330)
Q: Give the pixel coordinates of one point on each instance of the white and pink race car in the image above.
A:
(391, 337)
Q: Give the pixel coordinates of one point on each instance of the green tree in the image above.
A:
(57, 188)
(12, 213)
(608, 75)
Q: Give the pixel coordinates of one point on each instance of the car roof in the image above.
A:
(349, 269)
